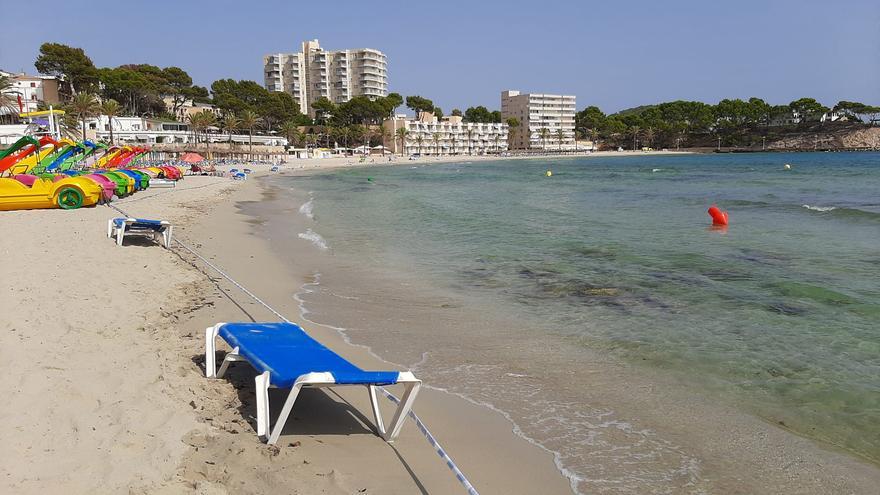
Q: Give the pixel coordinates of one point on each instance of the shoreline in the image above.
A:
(446, 415)
(352, 162)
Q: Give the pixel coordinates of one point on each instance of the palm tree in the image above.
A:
(200, 122)
(298, 137)
(649, 136)
(512, 125)
(84, 105)
(230, 123)
(7, 100)
(497, 137)
(385, 134)
(311, 139)
(194, 122)
(330, 132)
(209, 119)
(419, 140)
(560, 135)
(436, 138)
(544, 133)
(454, 150)
(635, 131)
(289, 130)
(470, 135)
(401, 136)
(345, 133)
(249, 120)
(111, 109)
(594, 136)
(68, 125)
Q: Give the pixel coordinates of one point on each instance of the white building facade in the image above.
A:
(336, 75)
(30, 91)
(139, 130)
(546, 122)
(429, 136)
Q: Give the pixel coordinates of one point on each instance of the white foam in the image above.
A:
(819, 208)
(315, 238)
(656, 169)
(307, 209)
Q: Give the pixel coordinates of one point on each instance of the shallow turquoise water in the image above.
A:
(780, 311)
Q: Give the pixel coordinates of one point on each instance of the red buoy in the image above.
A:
(718, 217)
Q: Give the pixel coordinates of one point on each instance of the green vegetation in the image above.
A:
(731, 122)
(71, 63)
(199, 122)
(481, 114)
(418, 104)
(7, 100)
(83, 106)
(111, 109)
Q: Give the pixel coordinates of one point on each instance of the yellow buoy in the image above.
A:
(549, 173)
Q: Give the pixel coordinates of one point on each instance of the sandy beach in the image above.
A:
(104, 352)
(345, 162)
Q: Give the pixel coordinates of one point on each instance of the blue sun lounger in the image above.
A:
(287, 357)
(119, 227)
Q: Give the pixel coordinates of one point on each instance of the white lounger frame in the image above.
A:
(119, 232)
(317, 380)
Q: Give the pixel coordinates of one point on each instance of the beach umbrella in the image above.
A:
(192, 158)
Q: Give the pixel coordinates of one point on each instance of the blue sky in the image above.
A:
(461, 53)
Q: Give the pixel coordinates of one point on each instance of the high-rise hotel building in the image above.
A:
(541, 118)
(337, 75)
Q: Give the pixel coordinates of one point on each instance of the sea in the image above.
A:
(577, 302)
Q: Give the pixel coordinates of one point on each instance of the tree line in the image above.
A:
(733, 121)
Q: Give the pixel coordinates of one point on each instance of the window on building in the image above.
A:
(33, 85)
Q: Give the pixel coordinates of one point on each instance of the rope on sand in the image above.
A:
(423, 428)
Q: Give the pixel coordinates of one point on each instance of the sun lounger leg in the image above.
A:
(406, 402)
(230, 357)
(167, 237)
(120, 233)
(110, 228)
(377, 414)
(285, 412)
(262, 392)
(211, 352)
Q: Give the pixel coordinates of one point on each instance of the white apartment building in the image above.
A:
(29, 91)
(139, 130)
(537, 112)
(453, 136)
(335, 75)
(189, 107)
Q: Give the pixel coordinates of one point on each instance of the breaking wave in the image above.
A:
(315, 238)
(307, 209)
